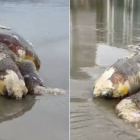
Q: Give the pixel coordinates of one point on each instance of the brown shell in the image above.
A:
(117, 78)
(7, 36)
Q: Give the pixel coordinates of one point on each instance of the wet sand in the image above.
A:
(100, 31)
(46, 25)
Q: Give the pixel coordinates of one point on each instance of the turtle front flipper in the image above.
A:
(33, 82)
(129, 109)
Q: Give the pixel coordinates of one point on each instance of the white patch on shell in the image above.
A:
(29, 43)
(103, 82)
(4, 27)
(2, 56)
(26, 76)
(16, 37)
(21, 52)
(14, 84)
(34, 78)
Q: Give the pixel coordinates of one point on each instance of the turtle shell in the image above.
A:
(18, 45)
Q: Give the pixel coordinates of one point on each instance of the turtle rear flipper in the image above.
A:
(33, 82)
(129, 109)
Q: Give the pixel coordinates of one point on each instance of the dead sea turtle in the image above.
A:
(122, 80)
(27, 61)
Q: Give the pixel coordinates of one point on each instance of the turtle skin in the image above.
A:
(122, 81)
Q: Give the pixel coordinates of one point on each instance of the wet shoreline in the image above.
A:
(100, 33)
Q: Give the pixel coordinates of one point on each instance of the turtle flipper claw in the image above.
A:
(52, 91)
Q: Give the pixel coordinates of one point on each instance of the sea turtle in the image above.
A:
(122, 80)
(27, 60)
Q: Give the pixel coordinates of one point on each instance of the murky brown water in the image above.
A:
(100, 31)
(45, 23)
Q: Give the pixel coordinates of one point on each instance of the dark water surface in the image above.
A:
(100, 33)
(45, 23)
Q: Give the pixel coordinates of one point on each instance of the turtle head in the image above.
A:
(14, 86)
(16, 92)
(116, 91)
(104, 86)
(105, 90)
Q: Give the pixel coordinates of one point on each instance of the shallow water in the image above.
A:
(45, 23)
(100, 33)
